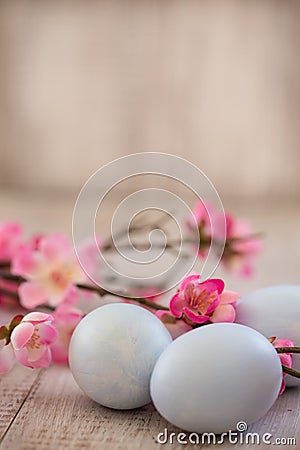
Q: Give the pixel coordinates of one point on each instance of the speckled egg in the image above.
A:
(212, 378)
(113, 351)
(274, 311)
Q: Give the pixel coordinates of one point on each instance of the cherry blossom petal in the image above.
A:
(55, 246)
(21, 335)
(22, 356)
(213, 284)
(10, 239)
(47, 333)
(187, 280)
(37, 317)
(44, 359)
(194, 317)
(7, 358)
(282, 389)
(283, 343)
(71, 295)
(286, 359)
(176, 305)
(36, 353)
(213, 305)
(32, 295)
(229, 297)
(59, 351)
(25, 262)
(223, 313)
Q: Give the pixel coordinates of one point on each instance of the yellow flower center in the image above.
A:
(34, 341)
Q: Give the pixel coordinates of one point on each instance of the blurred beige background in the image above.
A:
(217, 82)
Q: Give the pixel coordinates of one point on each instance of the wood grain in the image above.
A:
(14, 390)
(57, 415)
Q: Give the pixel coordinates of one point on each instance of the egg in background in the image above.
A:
(274, 311)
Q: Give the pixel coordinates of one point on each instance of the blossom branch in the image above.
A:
(9, 293)
(98, 290)
(292, 372)
(11, 277)
(288, 349)
(102, 292)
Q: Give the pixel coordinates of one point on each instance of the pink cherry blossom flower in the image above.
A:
(241, 247)
(176, 327)
(11, 234)
(27, 340)
(285, 358)
(31, 340)
(201, 218)
(66, 318)
(203, 302)
(52, 272)
(89, 256)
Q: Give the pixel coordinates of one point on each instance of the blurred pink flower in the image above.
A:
(285, 358)
(52, 272)
(241, 246)
(203, 302)
(11, 234)
(66, 319)
(7, 356)
(201, 219)
(176, 327)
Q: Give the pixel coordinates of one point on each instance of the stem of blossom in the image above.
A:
(291, 372)
(287, 349)
(4, 264)
(8, 293)
(11, 277)
(139, 226)
(102, 292)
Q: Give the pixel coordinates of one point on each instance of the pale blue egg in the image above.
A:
(113, 351)
(274, 311)
(212, 378)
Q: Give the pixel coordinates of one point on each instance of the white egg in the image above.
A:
(274, 311)
(213, 377)
(113, 351)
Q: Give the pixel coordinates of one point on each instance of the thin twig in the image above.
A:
(9, 293)
(287, 349)
(11, 277)
(4, 264)
(102, 292)
(292, 372)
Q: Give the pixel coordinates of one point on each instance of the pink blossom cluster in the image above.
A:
(49, 270)
(241, 246)
(285, 358)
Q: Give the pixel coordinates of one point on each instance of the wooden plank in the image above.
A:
(56, 414)
(14, 390)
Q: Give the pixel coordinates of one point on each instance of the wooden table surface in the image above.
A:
(44, 409)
